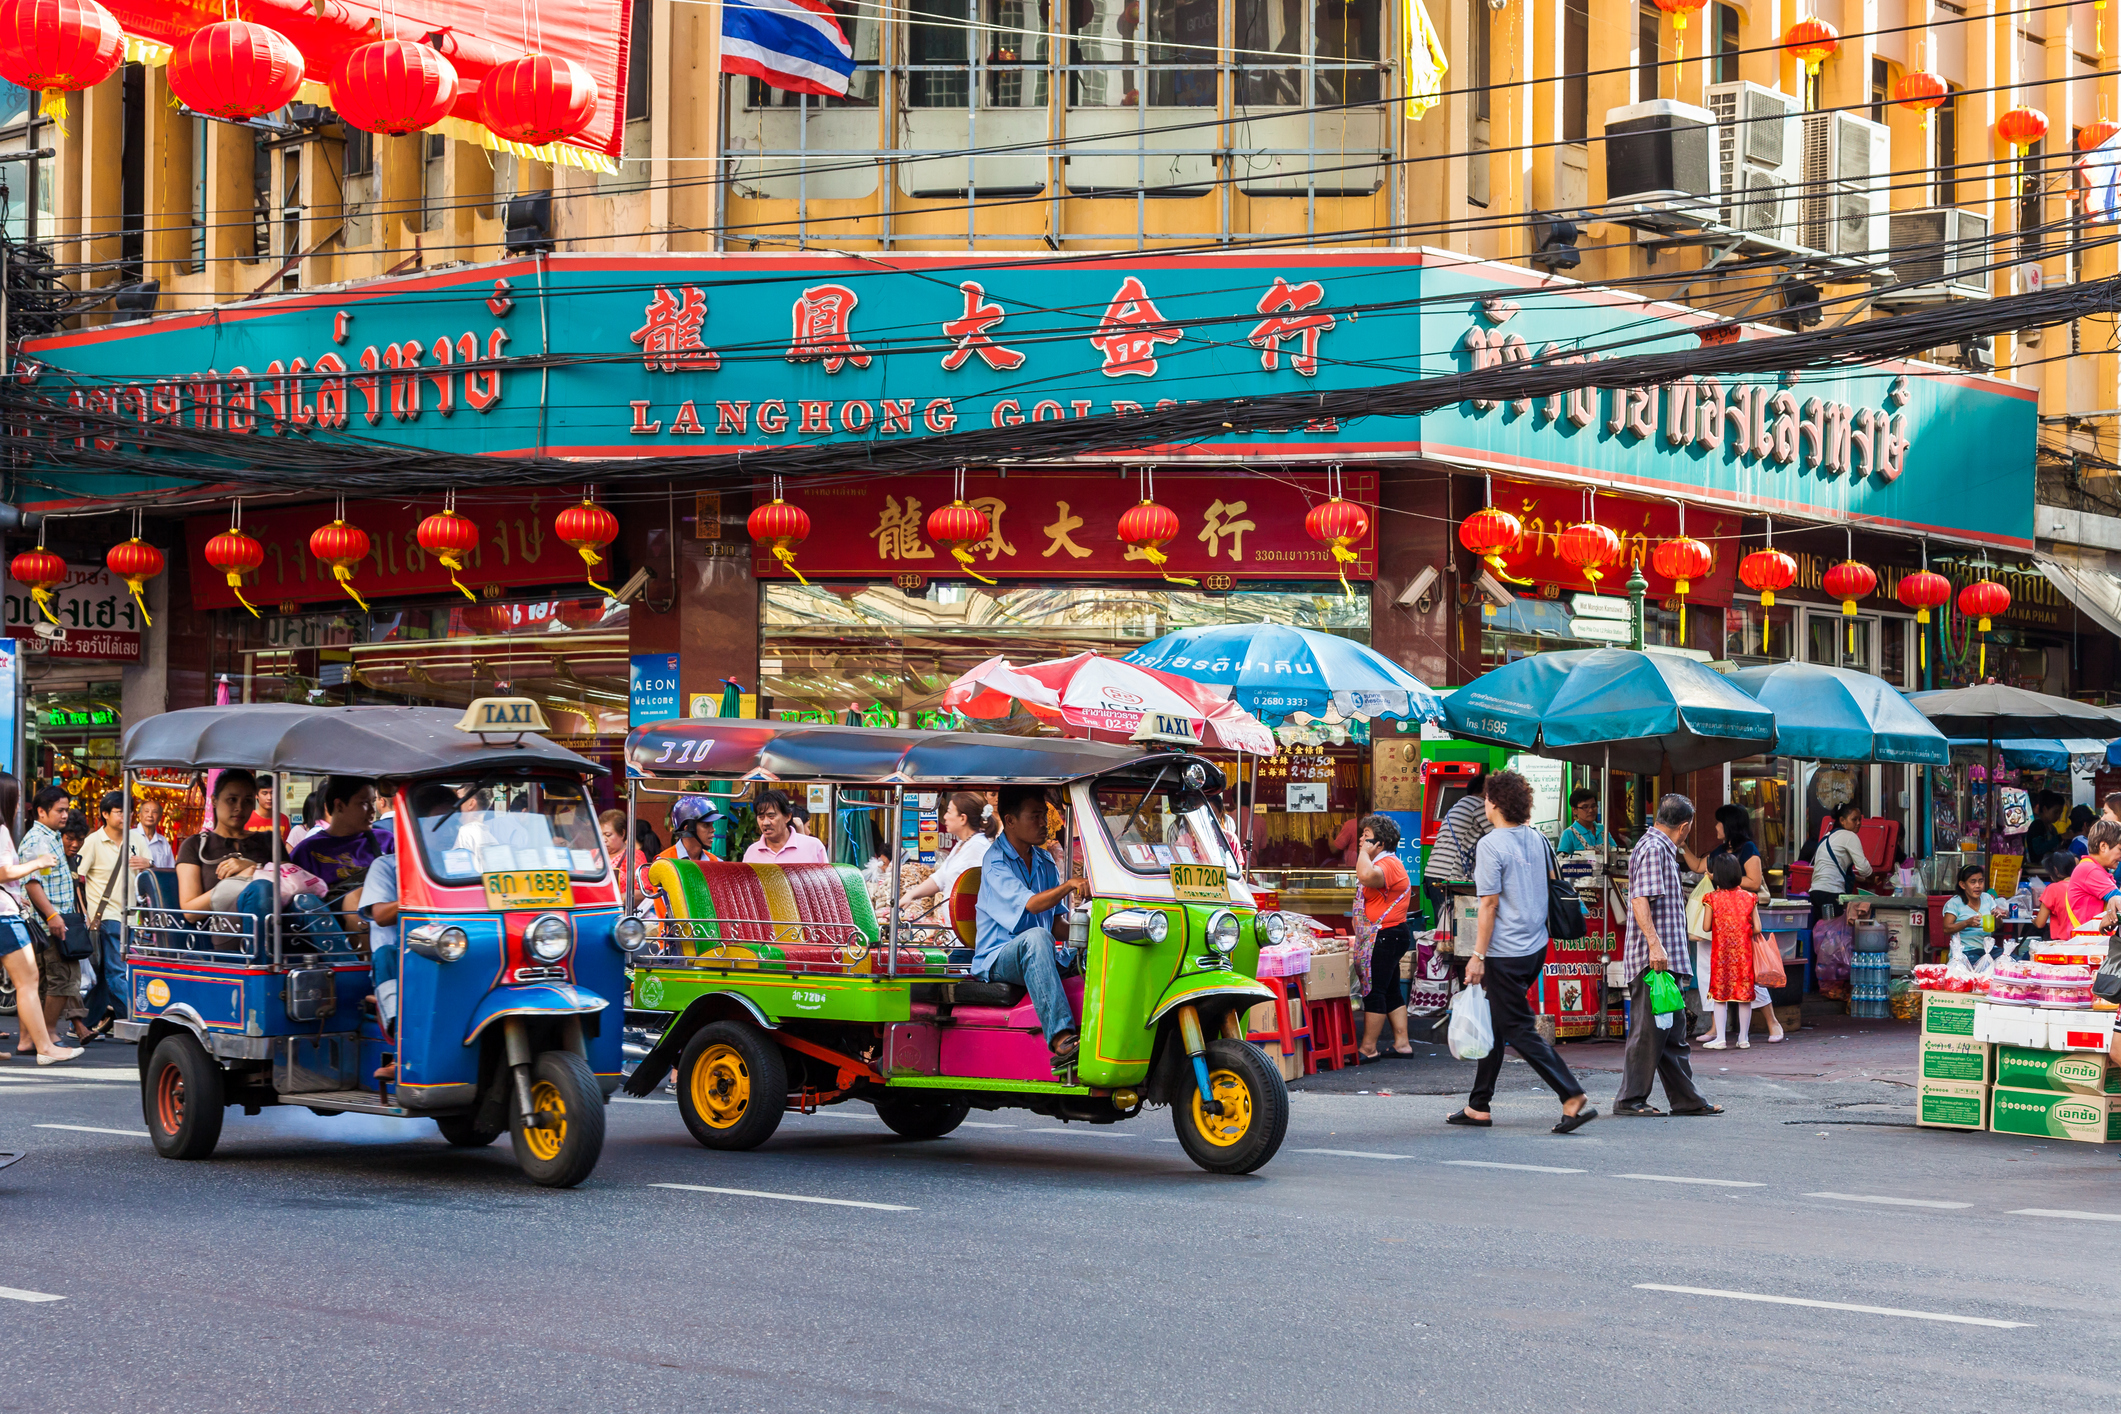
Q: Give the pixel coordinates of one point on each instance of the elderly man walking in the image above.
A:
(1657, 942)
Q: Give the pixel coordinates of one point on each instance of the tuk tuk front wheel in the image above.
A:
(561, 1152)
(1255, 1110)
(732, 1085)
(182, 1098)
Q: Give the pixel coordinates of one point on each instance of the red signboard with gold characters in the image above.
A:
(1547, 511)
(1231, 527)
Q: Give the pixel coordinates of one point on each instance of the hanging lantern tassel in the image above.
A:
(589, 528)
(780, 527)
(236, 554)
(1923, 591)
(450, 538)
(958, 527)
(1765, 572)
(1984, 600)
(1849, 581)
(136, 562)
(341, 546)
(1148, 526)
(1337, 524)
(43, 572)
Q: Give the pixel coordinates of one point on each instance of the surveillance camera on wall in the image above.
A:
(631, 589)
(1420, 593)
(1493, 588)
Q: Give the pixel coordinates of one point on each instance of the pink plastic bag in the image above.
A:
(294, 879)
(1832, 943)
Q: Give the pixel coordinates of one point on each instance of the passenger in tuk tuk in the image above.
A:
(348, 842)
(1019, 893)
(779, 842)
(378, 905)
(213, 867)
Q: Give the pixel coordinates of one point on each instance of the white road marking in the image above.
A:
(94, 1129)
(787, 1197)
(1102, 1132)
(982, 1124)
(1160, 1139)
(59, 1075)
(1354, 1154)
(1896, 1202)
(1835, 1306)
(1675, 1178)
(857, 1118)
(1521, 1168)
(89, 1072)
(16, 1293)
(2066, 1213)
(639, 1100)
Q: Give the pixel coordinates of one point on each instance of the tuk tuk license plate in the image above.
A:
(529, 888)
(1200, 883)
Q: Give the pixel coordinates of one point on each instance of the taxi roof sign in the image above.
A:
(1169, 727)
(502, 714)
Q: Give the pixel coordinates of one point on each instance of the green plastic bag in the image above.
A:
(1665, 995)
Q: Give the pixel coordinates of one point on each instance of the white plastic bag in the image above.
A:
(1472, 1028)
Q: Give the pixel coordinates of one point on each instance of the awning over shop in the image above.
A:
(2038, 753)
(2095, 592)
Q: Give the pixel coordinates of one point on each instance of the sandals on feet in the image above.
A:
(1571, 1123)
(1459, 1116)
(1704, 1110)
(1638, 1111)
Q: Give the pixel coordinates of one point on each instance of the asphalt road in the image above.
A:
(1381, 1262)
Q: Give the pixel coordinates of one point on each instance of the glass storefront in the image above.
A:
(72, 731)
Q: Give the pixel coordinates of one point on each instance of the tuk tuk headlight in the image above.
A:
(1273, 927)
(1137, 925)
(629, 934)
(548, 938)
(435, 941)
(452, 944)
(1223, 931)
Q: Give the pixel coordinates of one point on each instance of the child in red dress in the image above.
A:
(1734, 921)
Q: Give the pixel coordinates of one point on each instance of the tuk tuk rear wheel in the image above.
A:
(919, 1116)
(562, 1086)
(182, 1098)
(1255, 1105)
(732, 1085)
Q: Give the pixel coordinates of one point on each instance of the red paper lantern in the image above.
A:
(235, 69)
(136, 562)
(1147, 527)
(58, 46)
(780, 527)
(958, 527)
(1682, 560)
(1766, 572)
(43, 572)
(1590, 547)
(1849, 581)
(1921, 91)
(341, 546)
(1984, 599)
(394, 86)
(1491, 534)
(2021, 127)
(1811, 42)
(2095, 134)
(538, 99)
(1923, 591)
(1336, 524)
(589, 528)
(450, 538)
(236, 554)
(1679, 10)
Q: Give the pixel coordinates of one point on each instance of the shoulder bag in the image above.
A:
(1564, 904)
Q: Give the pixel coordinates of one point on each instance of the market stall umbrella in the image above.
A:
(1273, 671)
(1094, 693)
(1838, 714)
(1640, 712)
(2036, 753)
(1993, 711)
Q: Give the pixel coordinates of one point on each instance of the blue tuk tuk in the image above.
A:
(512, 940)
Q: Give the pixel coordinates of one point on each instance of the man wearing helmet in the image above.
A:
(692, 830)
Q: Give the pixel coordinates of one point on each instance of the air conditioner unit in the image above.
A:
(1940, 254)
(1759, 158)
(1660, 165)
(1848, 163)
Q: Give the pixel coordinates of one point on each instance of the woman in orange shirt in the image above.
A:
(1381, 914)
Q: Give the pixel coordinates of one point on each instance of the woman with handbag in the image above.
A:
(18, 954)
(1381, 914)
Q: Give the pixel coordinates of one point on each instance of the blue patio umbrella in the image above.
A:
(1640, 712)
(1273, 670)
(1837, 714)
(2033, 753)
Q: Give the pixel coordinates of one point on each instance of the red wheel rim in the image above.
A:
(169, 1099)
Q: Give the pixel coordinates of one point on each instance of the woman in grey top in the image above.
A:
(1510, 948)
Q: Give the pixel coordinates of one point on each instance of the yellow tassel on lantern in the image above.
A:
(787, 558)
(345, 577)
(590, 561)
(136, 586)
(43, 597)
(963, 555)
(235, 582)
(1155, 556)
(453, 563)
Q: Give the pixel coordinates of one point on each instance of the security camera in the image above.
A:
(1418, 594)
(52, 632)
(631, 589)
(1493, 588)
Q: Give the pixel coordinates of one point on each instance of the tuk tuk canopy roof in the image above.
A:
(804, 752)
(371, 742)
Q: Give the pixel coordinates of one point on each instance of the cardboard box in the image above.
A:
(1948, 1014)
(1948, 1104)
(2079, 1030)
(2071, 1072)
(1292, 1067)
(2048, 1114)
(1964, 1062)
(1261, 1021)
(1329, 975)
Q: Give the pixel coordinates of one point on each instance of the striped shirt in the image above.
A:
(1653, 873)
(58, 880)
(1451, 857)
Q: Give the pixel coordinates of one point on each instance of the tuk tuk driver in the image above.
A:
(1019, 892)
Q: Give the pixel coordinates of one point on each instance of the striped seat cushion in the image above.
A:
(756, 914)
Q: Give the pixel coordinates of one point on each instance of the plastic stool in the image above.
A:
(1283, 1034)
(1333, 1041)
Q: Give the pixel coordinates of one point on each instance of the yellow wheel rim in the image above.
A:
(721, 1086)
(1235, 1121)
(545, 1144)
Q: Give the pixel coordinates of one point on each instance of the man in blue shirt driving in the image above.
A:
(1020, 890)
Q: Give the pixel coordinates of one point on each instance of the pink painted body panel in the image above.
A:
(994, 1044)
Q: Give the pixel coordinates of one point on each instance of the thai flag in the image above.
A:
(795, 45)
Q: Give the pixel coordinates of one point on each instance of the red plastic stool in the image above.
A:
(1285, 1035)
(1333, 1043)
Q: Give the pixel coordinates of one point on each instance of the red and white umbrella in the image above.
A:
(1094, 693)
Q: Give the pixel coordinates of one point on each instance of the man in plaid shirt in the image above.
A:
(1657, 942)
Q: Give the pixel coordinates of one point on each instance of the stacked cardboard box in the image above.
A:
(2057, 1094)
(2017, 1070)
(1956, 1071)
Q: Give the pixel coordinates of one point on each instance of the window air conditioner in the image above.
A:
(1660, 165)
(1940, 254)
(1759, 158)
(1847, 170)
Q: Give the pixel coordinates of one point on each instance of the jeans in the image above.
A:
(1507, 981)
(112, 991)
(1656, 1052)
(383, 966)
(1029, 960)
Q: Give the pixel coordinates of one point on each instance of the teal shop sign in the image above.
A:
(712, 354)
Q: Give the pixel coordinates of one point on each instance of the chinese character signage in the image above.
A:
(94, 609)
(710, 355)
(1066, 525)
